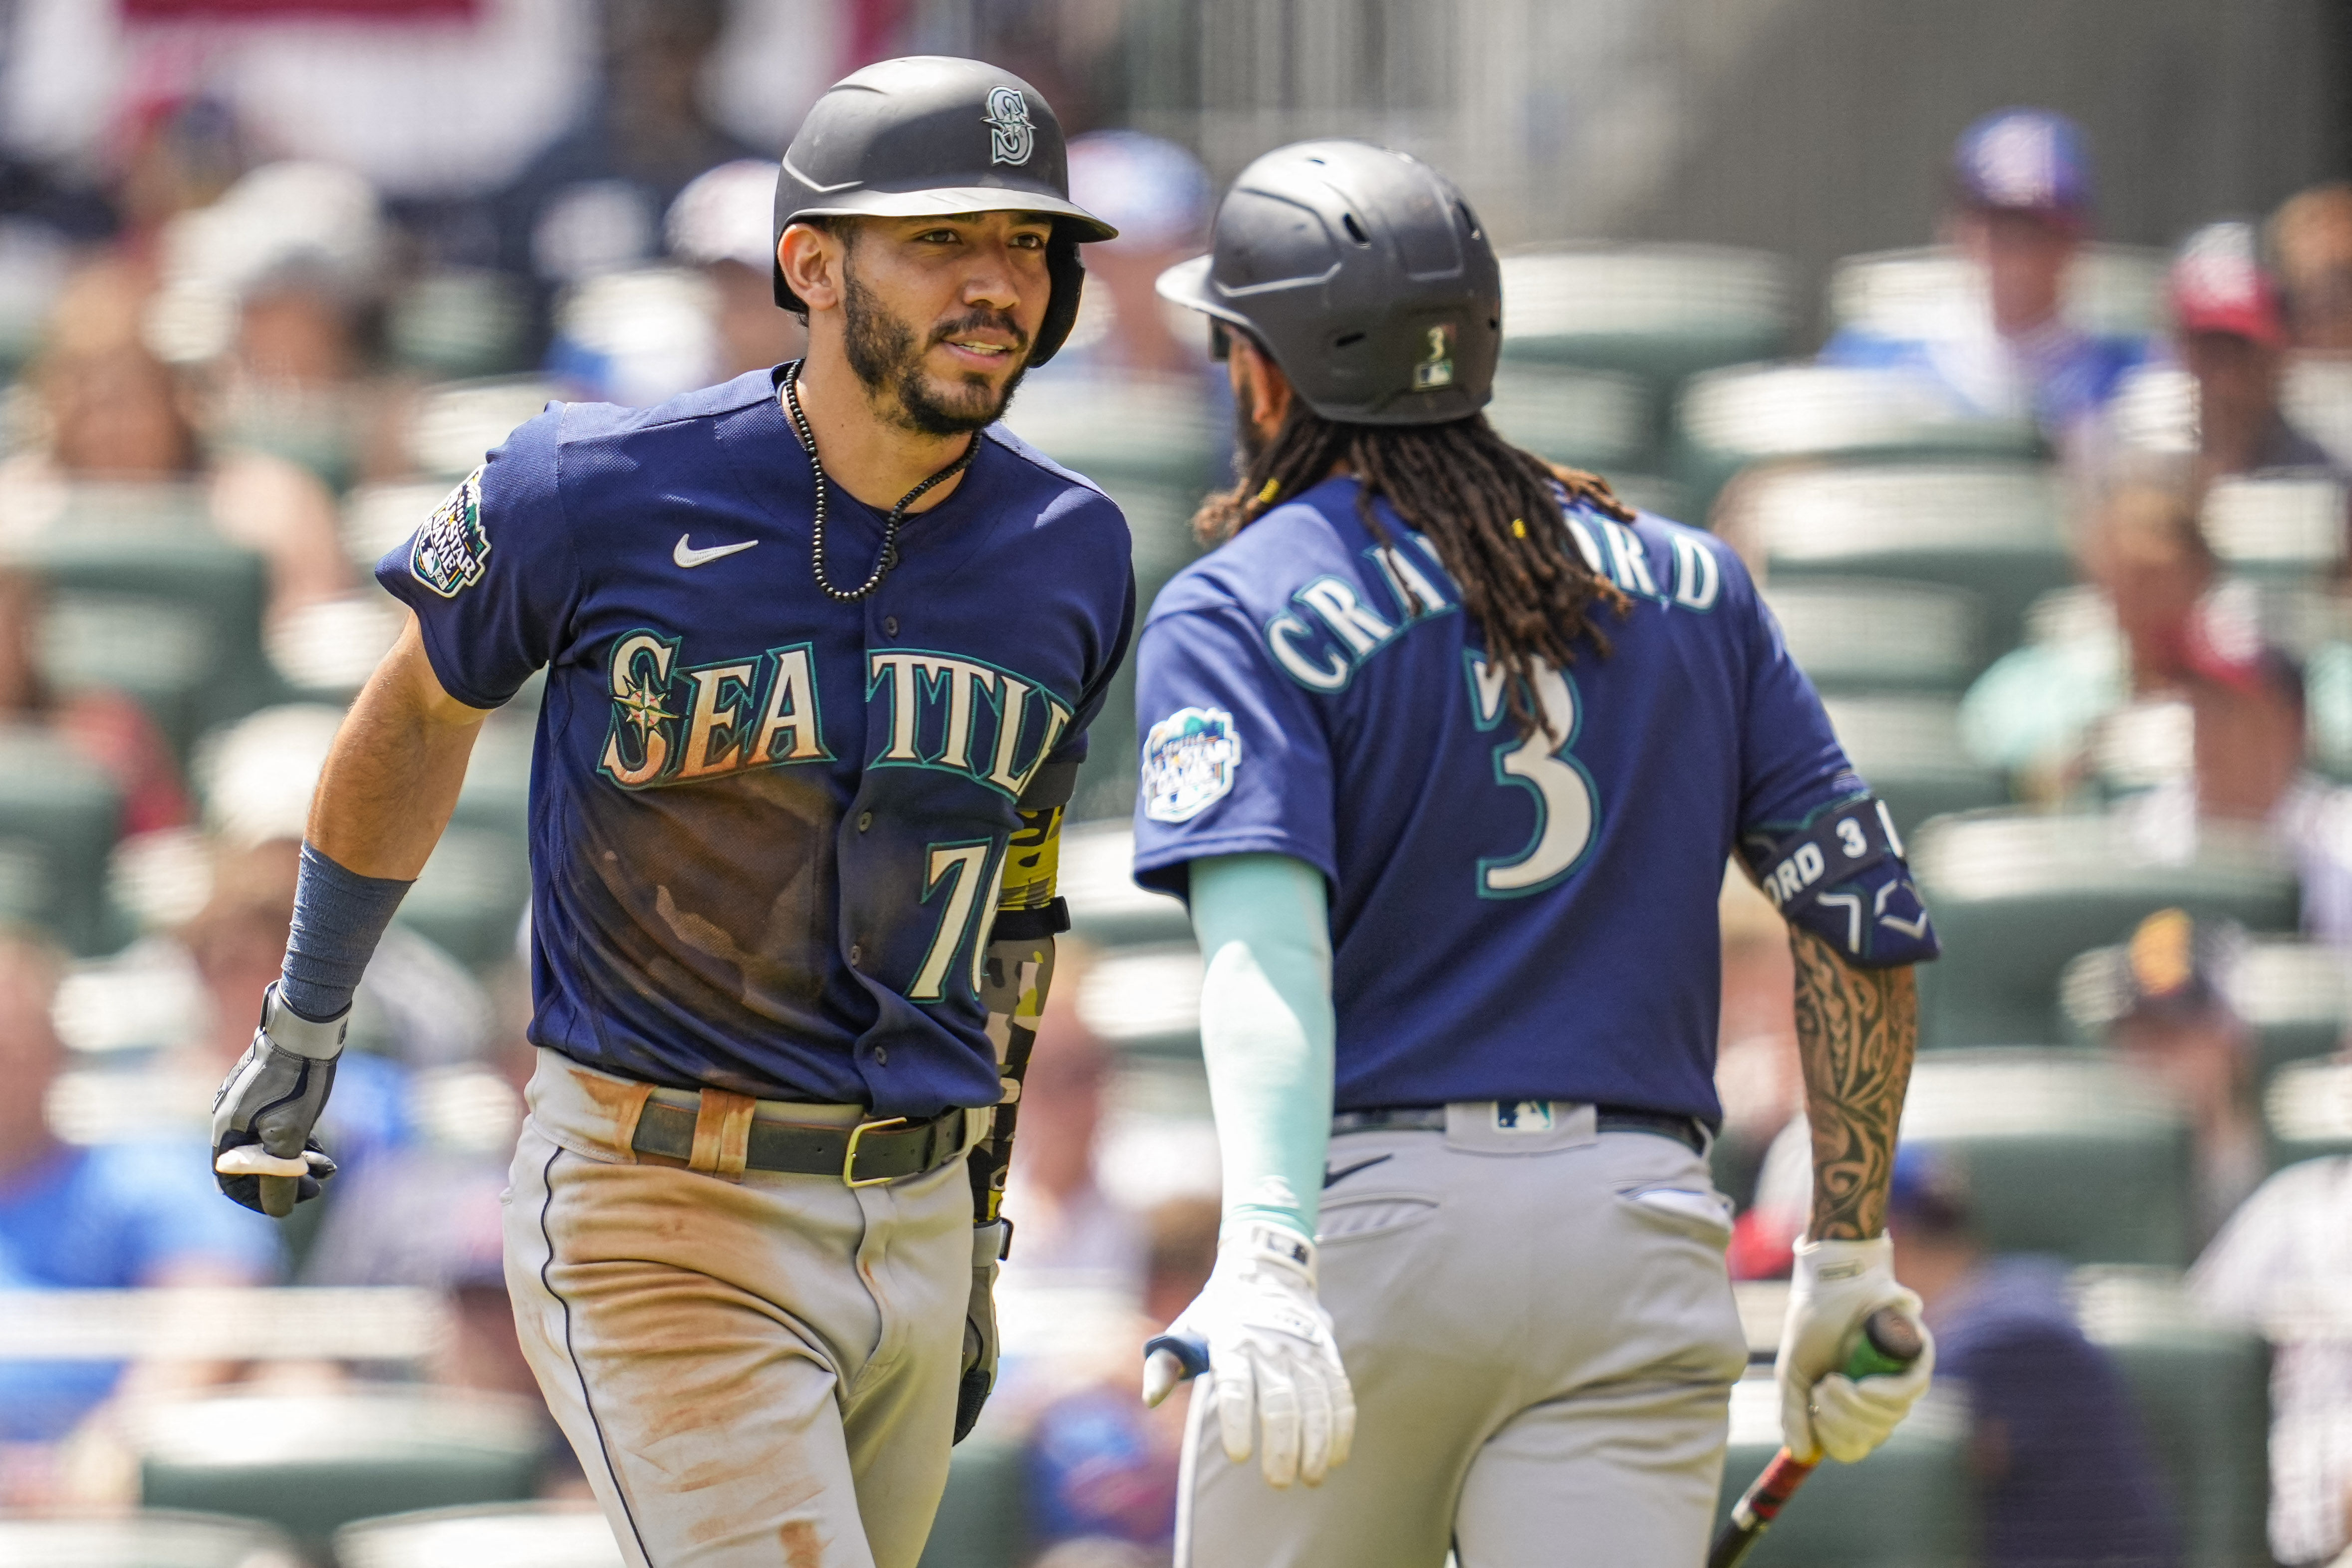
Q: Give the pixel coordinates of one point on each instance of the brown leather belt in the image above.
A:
(863, 1155)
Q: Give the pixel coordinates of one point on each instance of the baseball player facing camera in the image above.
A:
(1447, 749)
(822, 646)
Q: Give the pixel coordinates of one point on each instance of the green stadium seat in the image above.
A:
(2111, 289)
(2016, 894)
(1663, 313)
(1908, 749)
(460, 322)
(531, 1535)
(147, 1538)
(311, 1464)
(1107, 909)
(1909, 1505)
(2065, 1153)
(59, 815)
(1595, 420)
(2204, 1394)
(457, 422)
(1993, 528)
(2296, 995)
(982, 1521)
(1871, 635)
(2286, 527)
(2307, 1106)
(1728, 420)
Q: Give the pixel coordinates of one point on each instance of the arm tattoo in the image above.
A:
(1856, 1029)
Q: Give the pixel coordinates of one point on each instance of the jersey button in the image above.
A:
(865, 820)
(855, 953)
(890, 625)
(881, 1055)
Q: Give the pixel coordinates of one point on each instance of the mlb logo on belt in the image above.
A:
(1523, 1116)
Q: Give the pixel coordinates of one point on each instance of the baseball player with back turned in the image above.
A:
(822, 645)
(1447, 750)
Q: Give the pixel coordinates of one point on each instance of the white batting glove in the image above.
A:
(1272, 1355)
(1837, 1284)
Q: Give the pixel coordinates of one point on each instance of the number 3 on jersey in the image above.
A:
(1539, 763)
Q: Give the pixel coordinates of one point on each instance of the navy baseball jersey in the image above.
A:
(767, 828)
(1512, 917)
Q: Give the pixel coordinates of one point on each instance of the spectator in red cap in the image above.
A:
(2019, 209)
(2233, 339)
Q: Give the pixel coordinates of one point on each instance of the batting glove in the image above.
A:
(263, 1153)
(1271, 1354)
(1822, 1411)
(979, 1328)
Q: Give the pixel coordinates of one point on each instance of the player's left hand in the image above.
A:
(979, 1328)
(1271, 1353)
(1836, 1285)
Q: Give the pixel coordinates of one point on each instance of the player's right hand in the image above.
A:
(1835, 1286)
(263, 1153)
(1273, 1361)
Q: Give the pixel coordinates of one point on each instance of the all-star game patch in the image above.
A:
(451, 549)
(1189, 760)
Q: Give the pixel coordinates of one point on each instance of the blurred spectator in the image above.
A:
(1102, 1468)
(2231, 338)
(2063, 1472)
(723, 225)
(178, 152)
(104, 1218)
(2175, 1022)
(2283, 1266)
(1065, 1223)
(2019, 209)
(105, 726)
(592, 201)
(114, 414)
(2310, 240)
(1157, 195)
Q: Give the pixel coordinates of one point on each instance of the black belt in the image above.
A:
(1683, 1129)
(862, 1155)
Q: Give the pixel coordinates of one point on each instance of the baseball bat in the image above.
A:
(1888, 1343)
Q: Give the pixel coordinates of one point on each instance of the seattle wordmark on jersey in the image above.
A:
(1512, 916)
(768, 827)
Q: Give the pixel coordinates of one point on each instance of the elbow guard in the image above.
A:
(1842, 876)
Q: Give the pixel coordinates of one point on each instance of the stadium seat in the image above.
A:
(311, 1464)
(1728, 420)
(1145, 1000)
(2016, 894)
(1593, 419)
(460, 322)
(1871, 635)
(2307, 1106)
(146, 1538)
(2064, 1152)
(1107, 909)
(2318, 398)
(2111, 290)
(529, 1535)
(2296, 995)
(1663, 313)
(982, 1521)
(2203, 1395)
(1993, 528)
(1908, 749)
(457, 422)
(2290, 527)
(60, 814)
(1907, 1506)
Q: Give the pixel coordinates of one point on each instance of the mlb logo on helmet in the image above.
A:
(1435, 367)
(1011, 136)
(1189, 760)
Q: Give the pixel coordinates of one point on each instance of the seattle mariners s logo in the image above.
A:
(1011, 136)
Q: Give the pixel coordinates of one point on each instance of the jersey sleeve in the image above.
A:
(1236, 757)
(1790, 763)
(493, 574)
(1073, 745)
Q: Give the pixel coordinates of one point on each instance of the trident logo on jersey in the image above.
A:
(1011, 136)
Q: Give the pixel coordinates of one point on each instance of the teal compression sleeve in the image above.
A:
(1267, 1029)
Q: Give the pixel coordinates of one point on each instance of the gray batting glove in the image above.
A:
(980, 1327)
(263, 1153)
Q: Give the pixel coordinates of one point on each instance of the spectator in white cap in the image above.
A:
(721, 223)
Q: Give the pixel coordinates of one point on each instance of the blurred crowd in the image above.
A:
(239, 376)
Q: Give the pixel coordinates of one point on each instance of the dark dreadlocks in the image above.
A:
(1492, 511)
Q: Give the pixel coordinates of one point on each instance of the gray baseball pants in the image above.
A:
(1540, 1330)
(757, 1370)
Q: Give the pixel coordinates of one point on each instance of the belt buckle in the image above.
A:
(849, 1177)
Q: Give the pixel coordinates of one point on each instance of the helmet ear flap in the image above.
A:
(1069, 279)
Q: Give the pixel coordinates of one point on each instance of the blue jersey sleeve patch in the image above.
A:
(452, 549)
(1188, 761)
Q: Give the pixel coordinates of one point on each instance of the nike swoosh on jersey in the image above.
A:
(1332, 1178)
(687, 555)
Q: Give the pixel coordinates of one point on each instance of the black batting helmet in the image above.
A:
(1365, 274)
(936, 134)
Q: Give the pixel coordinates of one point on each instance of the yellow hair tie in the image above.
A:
(1273, 489)
(1518, 528)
